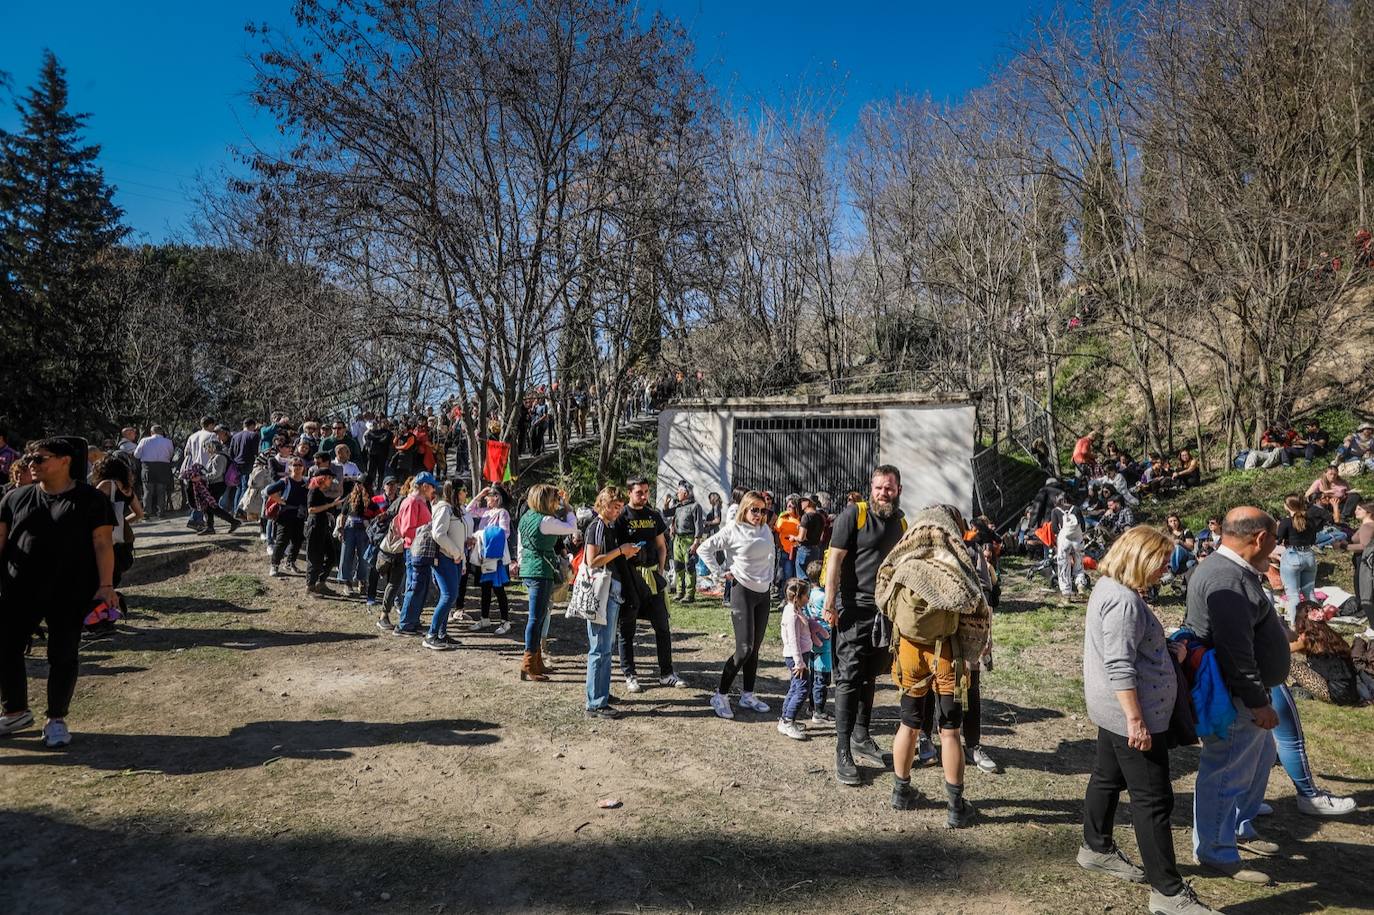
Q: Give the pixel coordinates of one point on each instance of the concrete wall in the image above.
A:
(930, 443)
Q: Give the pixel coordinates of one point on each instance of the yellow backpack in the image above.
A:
(859, 524)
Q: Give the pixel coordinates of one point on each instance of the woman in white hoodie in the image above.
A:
(747, 544)
(451, 535)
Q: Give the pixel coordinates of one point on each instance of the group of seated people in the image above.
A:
(1281, 445)
(1156, 475)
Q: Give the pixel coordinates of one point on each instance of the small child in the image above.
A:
(796, 651)
(820, 645)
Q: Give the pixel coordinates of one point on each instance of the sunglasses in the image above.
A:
(32, 459)
(756, 511)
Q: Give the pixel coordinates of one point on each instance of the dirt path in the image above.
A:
(241, 748)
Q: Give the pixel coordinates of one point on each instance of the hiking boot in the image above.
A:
(1325, 805)
(1185, 902)
(55, 734)
(961, 816)
(1113, 863)
(867, 751)
(13, 723)
(753, 703)
(979, 757)
(904, 797)
(846, 773)
(789, 728)
(632, 684)
(436, 644)
(1235, 870)
(720, 704)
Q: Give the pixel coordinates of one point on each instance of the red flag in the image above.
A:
(498, 456)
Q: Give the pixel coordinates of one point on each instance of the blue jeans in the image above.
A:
(1298, 569)
(600, 646)
(351, 564)
(447, 575)
(1181, 560)
(230, 499)
(1330, 537)
(820, 686)
(1231, 775)
(541, 590)
(802, 558)
(797, 689)
(1289, 742)
(417, 589)
(788, 565)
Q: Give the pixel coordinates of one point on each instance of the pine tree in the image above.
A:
(57, 222)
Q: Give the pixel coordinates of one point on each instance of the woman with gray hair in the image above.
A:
(1130, 687)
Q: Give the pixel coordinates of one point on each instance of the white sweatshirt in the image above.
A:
(748, 550)
(450, 530)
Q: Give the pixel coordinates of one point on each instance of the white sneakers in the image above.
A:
(752, 703)
(721, 706)
(791, 729)
(1324, 805)
(55, 734)
(503, 628)
(672, 680)
(13, 723)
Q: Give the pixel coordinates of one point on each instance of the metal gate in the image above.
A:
(805, 454)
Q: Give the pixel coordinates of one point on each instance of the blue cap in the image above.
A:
(426, 477)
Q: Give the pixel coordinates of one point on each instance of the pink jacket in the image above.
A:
(414, 512)
(796, 634)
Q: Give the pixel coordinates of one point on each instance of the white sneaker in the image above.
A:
(275, 572)
(17, 721)
(1324, 805)
(791, 729)
(752, 702)
(632, 684)
(55, 734)
(985, 763)
(503, 628)
(672, 680)
(721, 705)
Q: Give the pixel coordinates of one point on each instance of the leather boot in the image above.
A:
(530, 668)
(543, 655)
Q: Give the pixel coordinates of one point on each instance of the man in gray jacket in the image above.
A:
(1229, 610)
(687, 522)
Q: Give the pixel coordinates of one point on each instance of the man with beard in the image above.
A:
(862, 536)
(642, 525)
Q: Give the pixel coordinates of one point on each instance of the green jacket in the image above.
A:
(537, 559)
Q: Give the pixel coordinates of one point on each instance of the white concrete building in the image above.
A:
(809, 443)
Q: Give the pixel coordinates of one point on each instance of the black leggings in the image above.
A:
(1144, 773)
(749, 616)
(319, 553)
(18, 620)
(972, 720)
(502, 600)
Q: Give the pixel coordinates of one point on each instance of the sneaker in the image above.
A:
(1325, 805)
(434, 644)
(961, 816)
(867, 750)
(274, 572)
(1113, 863)
(719, 704)
(270, 549)
(322, 591)
(55, 734)
(1183, 903)
(295, 569)
(602, 713)
(753, 703)
(17, 721)
(925, 752)
(235, 525)
(1264, 810)
(413, 633)
(481, 625)
(1258, 846)
(821, 718)
(672, 680)
(371, 603)
(904, 796)
(632, 684)
(503, 628)
(1235, 870)
(791, 729)
(978, 756)
(846, 773)
(384, 623)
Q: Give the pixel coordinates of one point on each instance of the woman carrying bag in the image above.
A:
(604, 554)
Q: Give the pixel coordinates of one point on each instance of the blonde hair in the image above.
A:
(1297, 510)
(543, 498)
(1136, 556)
(606, 497)
(746, 502)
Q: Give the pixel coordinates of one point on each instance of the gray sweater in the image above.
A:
(1124, 648)
(1228, 609)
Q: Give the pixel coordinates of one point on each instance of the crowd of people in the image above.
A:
(862, 589)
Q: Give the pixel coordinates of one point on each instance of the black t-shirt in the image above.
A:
(866, 549)
(49, 553)
(641, 525)
(1291, 536)
(293, 494)
(606, 538)
(325, 519)
(812, 527)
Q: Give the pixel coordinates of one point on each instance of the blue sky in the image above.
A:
(165, 82)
